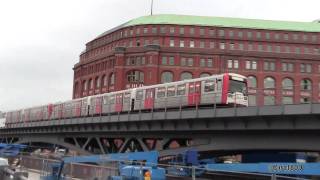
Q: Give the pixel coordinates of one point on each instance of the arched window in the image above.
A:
(135, 76)
(252, 82)
(90, 84)
(104, 80)
(185, 75)
(287, 83)
(84, 85)
(111, 79)
(305, 84)
(97, 80)
(269, 83)
(166, 77)
(76, 88)
(204, 75)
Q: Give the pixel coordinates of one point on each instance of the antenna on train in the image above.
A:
(151, 6)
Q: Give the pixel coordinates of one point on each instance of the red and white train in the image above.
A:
(227, 89)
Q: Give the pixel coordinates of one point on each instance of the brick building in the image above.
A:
(281, 58)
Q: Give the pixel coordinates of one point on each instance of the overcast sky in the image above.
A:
(40, 40)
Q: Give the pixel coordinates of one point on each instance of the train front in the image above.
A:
(236, 90)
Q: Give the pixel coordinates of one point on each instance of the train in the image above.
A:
(228, 89)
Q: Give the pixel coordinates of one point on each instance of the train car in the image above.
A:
(57, 110)
(40, 113)
(225, 89)
(118, 101)
(13, 117)
(75, 108)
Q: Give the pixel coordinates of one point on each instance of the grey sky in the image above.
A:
(40, 40)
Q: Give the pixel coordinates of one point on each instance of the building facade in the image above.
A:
(281, 59)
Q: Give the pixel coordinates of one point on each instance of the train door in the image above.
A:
(119, 102)
(98, 105)
(194, 93)
(149, 99)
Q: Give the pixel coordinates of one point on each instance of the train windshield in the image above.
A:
(237, 86)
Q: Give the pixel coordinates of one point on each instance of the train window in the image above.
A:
(219, 84)
(111, 99)
(139, 95)
(119, 98)
(105, 99)
(191, 88)
(171, 91)
(181, 90)
(127, 97)
(209, 86)
(161, 92)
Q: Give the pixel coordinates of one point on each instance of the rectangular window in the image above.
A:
(190, 61)
(269, 66)
(202, 62)
(258, 34)
(314, 38)
(171, 91)
(209, 63)
(305, 37)
(230, 64)
(232, 46)
(306, 50)
(284, 67)
(171, 60)
(240, 46)
(278, 49)
(183, 61)
(250, 47)
(131, 32)
(211, 44)
(267, 36)
(171, 30)
(249, 35)
(209, 86)
(201, 44)
(277, 36)
(211, 32)
(308, 68)
(181, 90)
(260, 47)
(171, 42)
(161, 92)
(269, 100)
(162, 29)
(145, 30)
(191, 31)
(154, 30)
(240, 34)
(286, 37)
(295, 37)
(222, 45)
(269, 48)
(181, 43)
(164, 60)
(233, 64)
(251, 65)
(221, 32)
(297, 50)
(192, 44)
(202, 32)
(231, 34)
(181, 30)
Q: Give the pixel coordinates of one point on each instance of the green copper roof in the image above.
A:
(225, 22)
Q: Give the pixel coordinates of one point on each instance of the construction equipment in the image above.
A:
(142, 165)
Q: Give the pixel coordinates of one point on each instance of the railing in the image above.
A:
(98, 172)
(256, 97)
